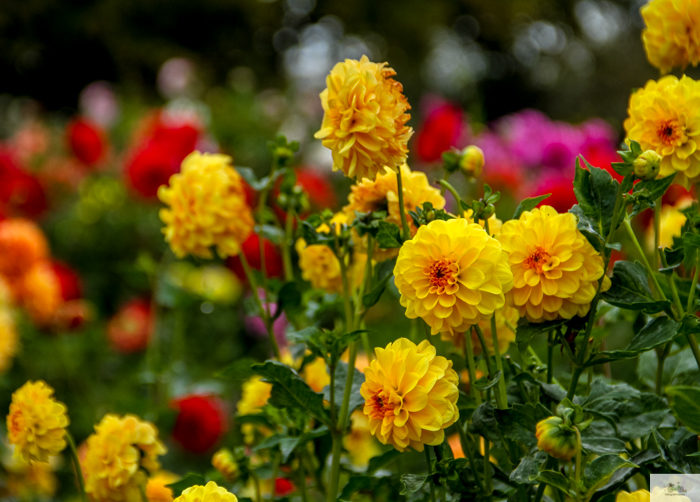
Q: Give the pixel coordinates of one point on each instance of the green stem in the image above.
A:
(576, 374)
(488, 484)
(694, 285)
(302, 479)
(645, 262)
(469, 355)
(661, 355)
(256, 484)
(578, 460)
(550, 355)
(468, 448)
(694, 347)
(500, 398)
(287, 244)
(430, 472)
(451, 189)
(521, 386)
(549, 465)
(402, 208)
(499, 363)
(73, 451)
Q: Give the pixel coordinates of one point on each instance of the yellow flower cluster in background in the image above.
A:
(364, 121)
(254, 396)
(360, 443)
(670, 224)
(555, 269)
(206, 208)
(672, 34)
(410, 395)
(664, 116)
(37, 423)
(117, 454)
(211, 492)
(452, 275)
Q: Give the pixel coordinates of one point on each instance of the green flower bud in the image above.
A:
(556, 438)
(487, 212)
(472, 161)
(647, 165)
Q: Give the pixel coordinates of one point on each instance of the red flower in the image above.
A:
(441, 130)
(562, 190)
(601, 154)
(200, 423)
(87, 141)
(283, 487)
(69, 280)
(21, 194)
(131, 328)
(251, 247)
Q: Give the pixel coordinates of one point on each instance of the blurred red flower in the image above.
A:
(21, 193)
(200, 423)
(87, 140)
(131, 328)
(441, 130)
(251, 248)
(562, 190)
(601, 154)
(69, 280)
(283, 487)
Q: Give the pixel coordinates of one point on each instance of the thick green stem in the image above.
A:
(454, 193)
(469, 355)
(575, 375)
(642, 255)
(468, 448)
(287, 244)
(430, 472)
(302, 479)
(73, 451)
(550, 355)
(500, 398)
(661, 355)
(499, 363)
(402, 208)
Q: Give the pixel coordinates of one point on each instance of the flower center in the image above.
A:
(381, 408)
(16, 424)
(441, 273)
(538, 259)
(669, 132)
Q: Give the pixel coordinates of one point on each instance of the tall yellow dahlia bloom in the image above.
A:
(664, 116)
(506, 317)
(206, 207)
(211, 492)
(117, 454)
(410, 395)
(555, 269)
(672, 34)
(381, 194)
(452, 275)
(364, 121)
(37, 423)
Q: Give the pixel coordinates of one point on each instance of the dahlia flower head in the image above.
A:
(37, 423)
(211, 492)
(364, 121)
(452, 275)
(157, 489)
(22, 245)
(360, 443)
(410, 395)
(672, 34)
(664, 116)
(555, 269)
(206, 208)
(117, 453)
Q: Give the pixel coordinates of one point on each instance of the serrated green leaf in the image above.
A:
(528, 468)
(528, 205)
(603, 446)
(484, 383)
(656, 188)
(658, 331)
(389, 235)
(484, 422)
(525, 332)
(341, 373)
(596, 192)
(686, 405)
(412, 483)
(381, 461)
(599, 471)
(630, 289)
(554, 479)
(238, 370)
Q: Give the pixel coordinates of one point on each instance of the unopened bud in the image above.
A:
(472, 161)
(556, 438)
(488, 211)
(647, 165)
(224, 462)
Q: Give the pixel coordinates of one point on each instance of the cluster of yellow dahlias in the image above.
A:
(672, 34)
(206, 207)
(117, 454)
(37, 423)
(410, 395)
(364, 124)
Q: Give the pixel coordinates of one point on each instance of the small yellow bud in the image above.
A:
(647, 165)
(472, 161)
(224, 462)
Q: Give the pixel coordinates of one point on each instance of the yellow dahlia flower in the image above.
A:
(254, 396)
(672, 34)
(452, 275)
(410, 395)
(671, 224)
(224, 462)
(37, 423)
(31, 481)
(117, 454)
(364, 121)
(381, 194)
(211, 492)
(316, 375)
(506, 316)
(9, 341)
(157, 489)
(664, 116)
(555, 269)
(637, 496)
(495, 224)
(360, 443)
(206, 207)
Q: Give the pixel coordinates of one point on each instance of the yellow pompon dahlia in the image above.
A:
(254, 396)
(157, 489)
(9, 341)
(206, 207)
(37, 423)
(118, 453)
(671, 224)
(506, 317)
(664, 116)
(410, 395)
(452, 275)
(555, 269)
(360, 443)
(495, 224)
(381, 194)
(224, 462)
(364, 121)
(316, 375)
(672, 34)
(211, 492)
(636, 496)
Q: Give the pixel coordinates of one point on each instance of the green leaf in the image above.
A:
(686, 405)
(525, 332)
(484, 383)
(190, 479)
(381, 461)
(599, 471)
(658, 331)
(528, 205)
(412, 483)
(484, 422)
(355, 484)
(555, 479)
(383, 273)
(657, 188)
(630, 289)
(603, 446)
(389, 235)
(670, 455)
(528, 468)
(519, 423)
(288, 298)
(289, 390)
(237, 370)
(341, 374)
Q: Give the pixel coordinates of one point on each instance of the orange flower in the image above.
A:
(22, 245)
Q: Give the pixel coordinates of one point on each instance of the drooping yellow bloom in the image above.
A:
(495, 224)
(9, 341)
(452, 275)
(671, 224)
(117, 454)
(364, 121)
(31, 481)
(381, 194)
(37, 423)
(211, 492)
(506, 317)
(206, 207)
(224, 462)
(157, 489)
(410, 395)
(672, 34)
(360, 443)
(254, 396)
(316, 375)
(556, 439)
(664, 116)
(555, 269)
(637, 496)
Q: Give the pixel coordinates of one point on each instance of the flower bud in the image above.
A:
(472, 161)
(224, 462)
(647, 165)
(487, 212)
(556, 438)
